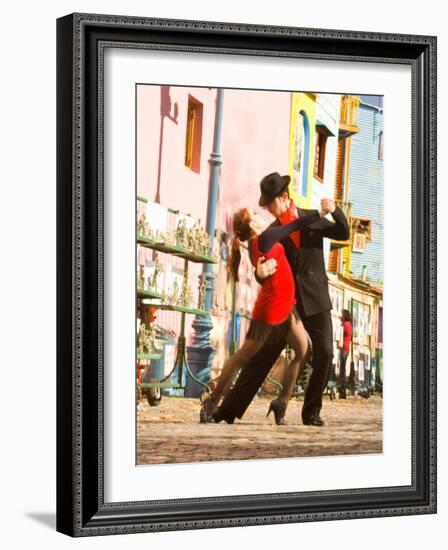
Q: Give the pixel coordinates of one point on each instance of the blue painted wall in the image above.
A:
(366, 190)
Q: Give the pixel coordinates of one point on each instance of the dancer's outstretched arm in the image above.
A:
(272, 235)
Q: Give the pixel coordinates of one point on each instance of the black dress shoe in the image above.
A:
(314, 420)
(221, 415)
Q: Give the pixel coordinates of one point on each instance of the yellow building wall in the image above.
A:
(346, 257)
(302, 102)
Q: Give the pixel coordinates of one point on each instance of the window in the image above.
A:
(193, 140)
(319, 154)
(359, 242)
(362, 226)
(301, 154)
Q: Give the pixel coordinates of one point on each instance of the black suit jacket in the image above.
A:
(307, 263)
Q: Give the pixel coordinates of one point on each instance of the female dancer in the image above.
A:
(274, 316)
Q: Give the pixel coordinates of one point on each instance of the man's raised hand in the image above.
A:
(328, 205)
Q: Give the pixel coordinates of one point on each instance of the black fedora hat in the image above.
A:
(272, 186)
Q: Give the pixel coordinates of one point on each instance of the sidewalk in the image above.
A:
(172, 433)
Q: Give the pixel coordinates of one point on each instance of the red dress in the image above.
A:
(277, 295)
(275, 302)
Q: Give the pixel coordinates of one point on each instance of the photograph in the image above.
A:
(243, 338)
(259, 273)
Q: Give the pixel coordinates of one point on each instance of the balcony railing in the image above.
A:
(348, 122)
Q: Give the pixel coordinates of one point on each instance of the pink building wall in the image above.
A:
(254, 142)
(180, 188)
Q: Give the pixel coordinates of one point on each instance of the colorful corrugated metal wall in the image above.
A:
(366, 190)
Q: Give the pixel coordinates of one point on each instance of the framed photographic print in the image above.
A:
(242, 338)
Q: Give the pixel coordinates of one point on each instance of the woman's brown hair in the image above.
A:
(242, 232)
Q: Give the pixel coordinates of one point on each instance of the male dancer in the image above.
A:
(313, 302)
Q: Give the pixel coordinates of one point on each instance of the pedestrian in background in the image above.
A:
(344, 352)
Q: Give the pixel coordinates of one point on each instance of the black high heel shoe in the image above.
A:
(279, 410)
(208, 409)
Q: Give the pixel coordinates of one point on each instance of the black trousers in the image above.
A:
(253, 374)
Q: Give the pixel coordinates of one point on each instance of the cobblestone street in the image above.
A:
(172, 433)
